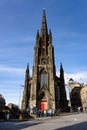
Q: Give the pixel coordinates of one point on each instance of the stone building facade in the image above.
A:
(74, 92)
(44, 90)
(78, 94)
(83, 94)
(2, 101)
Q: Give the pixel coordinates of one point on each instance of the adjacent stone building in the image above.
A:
(78, 95)
(44, 90)
(2, 101)
(74, 91)
(83, 94)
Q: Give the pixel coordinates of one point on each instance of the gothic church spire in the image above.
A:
(61, 69)
(44, 24)
(27, 72)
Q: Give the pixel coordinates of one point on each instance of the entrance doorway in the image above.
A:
(43, 105)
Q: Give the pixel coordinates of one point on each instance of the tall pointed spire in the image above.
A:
(61, 73)
(63, 97)
(26, 88)
(44, 24)
(61, 69)
(50, 36)
(37, 35)
(27, 72)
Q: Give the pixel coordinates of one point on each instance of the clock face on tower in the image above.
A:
(44, 61)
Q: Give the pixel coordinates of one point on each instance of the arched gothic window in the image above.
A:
(44, 79)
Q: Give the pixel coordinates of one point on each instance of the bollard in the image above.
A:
(20, 117)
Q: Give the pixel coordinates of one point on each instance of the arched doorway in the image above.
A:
(43, 105)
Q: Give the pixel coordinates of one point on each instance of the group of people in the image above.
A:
(44, 113)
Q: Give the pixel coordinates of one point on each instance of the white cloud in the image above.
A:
(79, 76)
(10, 80)
(12, 95)
(11, 69)
(18, 40)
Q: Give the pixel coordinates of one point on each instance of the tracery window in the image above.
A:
(44, 79)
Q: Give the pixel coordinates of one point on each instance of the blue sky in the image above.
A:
(19, 21)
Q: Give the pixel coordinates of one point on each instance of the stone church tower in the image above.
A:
(44, 90)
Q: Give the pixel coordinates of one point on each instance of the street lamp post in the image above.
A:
(20, 96)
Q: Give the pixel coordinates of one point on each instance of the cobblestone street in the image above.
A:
(69, 122)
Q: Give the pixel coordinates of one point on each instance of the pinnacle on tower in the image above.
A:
(28, 66)
(27, 72)
(50, 36)
(44, 24)
(61, 68)
(50, 32)
(61, 72)
(37, 35)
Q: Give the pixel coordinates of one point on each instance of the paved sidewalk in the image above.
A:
(39, 118)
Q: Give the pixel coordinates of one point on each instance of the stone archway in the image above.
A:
(43, 104)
